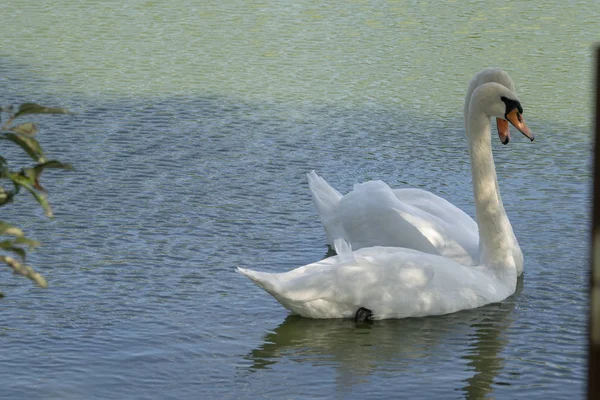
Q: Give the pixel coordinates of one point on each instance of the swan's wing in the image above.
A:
(343, 250)
(372, 215)
(327, 201)
(437, 206)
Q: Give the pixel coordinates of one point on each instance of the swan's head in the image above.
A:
(514, 114)
(498, 101)
(492, 75)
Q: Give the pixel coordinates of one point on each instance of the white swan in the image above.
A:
(373, 214)
(395, 282)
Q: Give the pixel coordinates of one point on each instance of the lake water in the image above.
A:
(196, 124)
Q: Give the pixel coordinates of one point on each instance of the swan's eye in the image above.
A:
(511, 105)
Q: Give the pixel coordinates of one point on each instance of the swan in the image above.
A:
(373, 214)
(394, 282)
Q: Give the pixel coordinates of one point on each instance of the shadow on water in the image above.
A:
(488, 342)
(358, 350)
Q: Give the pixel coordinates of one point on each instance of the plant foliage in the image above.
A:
(25, 179)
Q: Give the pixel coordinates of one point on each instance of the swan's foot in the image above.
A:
(363, 315)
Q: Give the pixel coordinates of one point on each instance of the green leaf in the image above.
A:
(6, 196)
(22, 240)
(34, 173)
(8, 245)
(24, 270)
(29, 144)
(28, 128)
(8, 229)
(20, 180)
(33, 108)
(33, 176)
(52, 164)
(16, 245)
(43, 200)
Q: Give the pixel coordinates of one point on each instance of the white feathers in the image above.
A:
(326, 200)
(343, 250)
(415, 254)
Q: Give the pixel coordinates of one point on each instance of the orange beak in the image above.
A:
(515, 118)
(503, 130)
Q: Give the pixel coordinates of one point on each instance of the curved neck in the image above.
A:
(495, 231)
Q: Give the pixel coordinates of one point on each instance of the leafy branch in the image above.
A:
(14, 181)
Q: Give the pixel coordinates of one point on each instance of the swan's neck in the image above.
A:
(495, 231)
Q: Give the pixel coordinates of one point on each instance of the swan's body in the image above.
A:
(396, 282)
(373, 214)
(393, 282)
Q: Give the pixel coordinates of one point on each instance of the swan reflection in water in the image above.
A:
(359, 350)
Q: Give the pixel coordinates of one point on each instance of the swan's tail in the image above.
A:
(327, 201)
(267, 281)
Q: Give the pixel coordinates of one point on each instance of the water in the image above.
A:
(195, 127)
